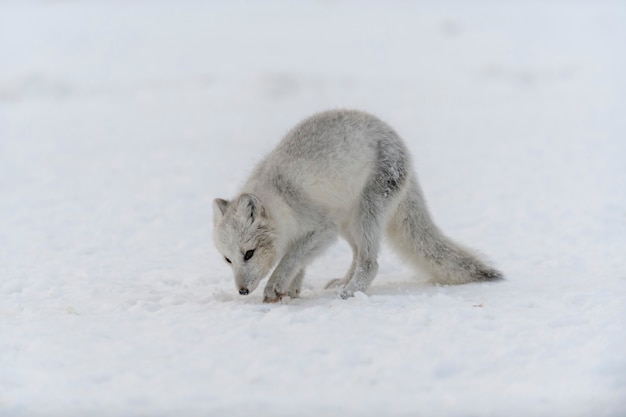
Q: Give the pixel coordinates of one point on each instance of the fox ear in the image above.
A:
(250, 206)
(219, 208)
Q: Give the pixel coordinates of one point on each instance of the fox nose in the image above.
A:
(244, 291)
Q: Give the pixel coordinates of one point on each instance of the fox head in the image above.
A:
(245, 236)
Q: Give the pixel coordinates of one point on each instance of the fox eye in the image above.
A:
(248, 255)
(227, 260)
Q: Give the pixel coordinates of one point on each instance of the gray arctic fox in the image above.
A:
(336, 173)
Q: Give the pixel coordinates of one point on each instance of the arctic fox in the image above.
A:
(344, 173)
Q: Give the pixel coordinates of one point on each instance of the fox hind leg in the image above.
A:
(339, 282)
(379, 199)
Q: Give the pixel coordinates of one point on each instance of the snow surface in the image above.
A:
(121, 121)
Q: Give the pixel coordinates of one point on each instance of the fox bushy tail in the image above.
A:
(419, 242)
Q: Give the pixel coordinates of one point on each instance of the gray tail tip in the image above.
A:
(490, 275)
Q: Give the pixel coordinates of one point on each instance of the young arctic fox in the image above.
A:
(336, 173)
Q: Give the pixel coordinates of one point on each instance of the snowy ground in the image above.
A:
(121, 121)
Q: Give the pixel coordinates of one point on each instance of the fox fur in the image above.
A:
(338, 173)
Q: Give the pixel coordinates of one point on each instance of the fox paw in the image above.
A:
(345, 294)
(294, 292)
(270, 295)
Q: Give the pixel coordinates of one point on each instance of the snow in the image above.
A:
(121, 121)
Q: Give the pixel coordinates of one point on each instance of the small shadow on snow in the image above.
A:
(399, 288)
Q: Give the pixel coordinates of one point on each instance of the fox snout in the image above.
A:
(245, 284)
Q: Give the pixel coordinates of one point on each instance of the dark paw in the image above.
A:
(344, 295)
(272, 299)
(271, 295)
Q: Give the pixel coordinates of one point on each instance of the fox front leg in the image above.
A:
(288, 275)
(277, 286)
